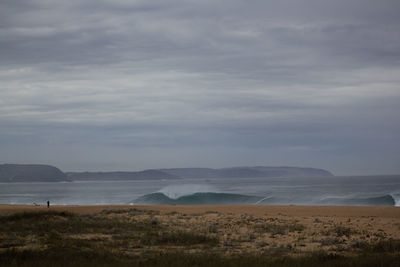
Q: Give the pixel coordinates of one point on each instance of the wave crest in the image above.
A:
(396, 198)
(198, 194)
(386, 200)
(178, 191)
(200, 198)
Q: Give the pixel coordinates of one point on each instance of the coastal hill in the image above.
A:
(120, 176)
(46, 173)
(247, 172)
(201, 173)
(30, 173)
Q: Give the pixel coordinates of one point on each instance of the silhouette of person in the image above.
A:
(48, 203)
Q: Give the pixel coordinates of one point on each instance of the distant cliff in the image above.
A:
(46, 173)
(247, 172)
(120, 176)
(200, 173)
(30, 173)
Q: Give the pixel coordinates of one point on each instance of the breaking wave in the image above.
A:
(213, 198)
(201, 198)
(385, 200)
(396, 198)
(191, 194)
(177, 191)
(194, 194)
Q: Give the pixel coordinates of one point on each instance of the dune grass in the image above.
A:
(140, 238)
(70, 257)
(59, 230)
(279, 229)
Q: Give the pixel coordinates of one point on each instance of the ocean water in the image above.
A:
(347, 191)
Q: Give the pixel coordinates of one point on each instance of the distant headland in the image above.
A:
(47, 173)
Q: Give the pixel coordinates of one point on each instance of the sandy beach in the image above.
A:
(238, 221)
(307, 211)
(227, 230)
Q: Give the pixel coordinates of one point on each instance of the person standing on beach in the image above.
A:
(48, 204)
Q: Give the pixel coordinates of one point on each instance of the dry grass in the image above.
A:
(279, 229)
(143, 237)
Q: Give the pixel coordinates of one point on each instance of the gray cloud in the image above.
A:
(201, 83)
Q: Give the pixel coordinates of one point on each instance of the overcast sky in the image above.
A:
(131, 85)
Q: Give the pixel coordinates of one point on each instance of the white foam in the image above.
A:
(261, 200)
(177, 191)
(396, 198)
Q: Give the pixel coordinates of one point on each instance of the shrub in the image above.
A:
(279, 229)
(179, 238)
(340, 230)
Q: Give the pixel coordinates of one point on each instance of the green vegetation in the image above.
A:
(43, 223)
(61, 230)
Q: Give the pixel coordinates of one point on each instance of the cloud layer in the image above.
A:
(145, 84)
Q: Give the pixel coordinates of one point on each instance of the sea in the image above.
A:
(377, 190)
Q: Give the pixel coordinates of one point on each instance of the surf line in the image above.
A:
(261, 200)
